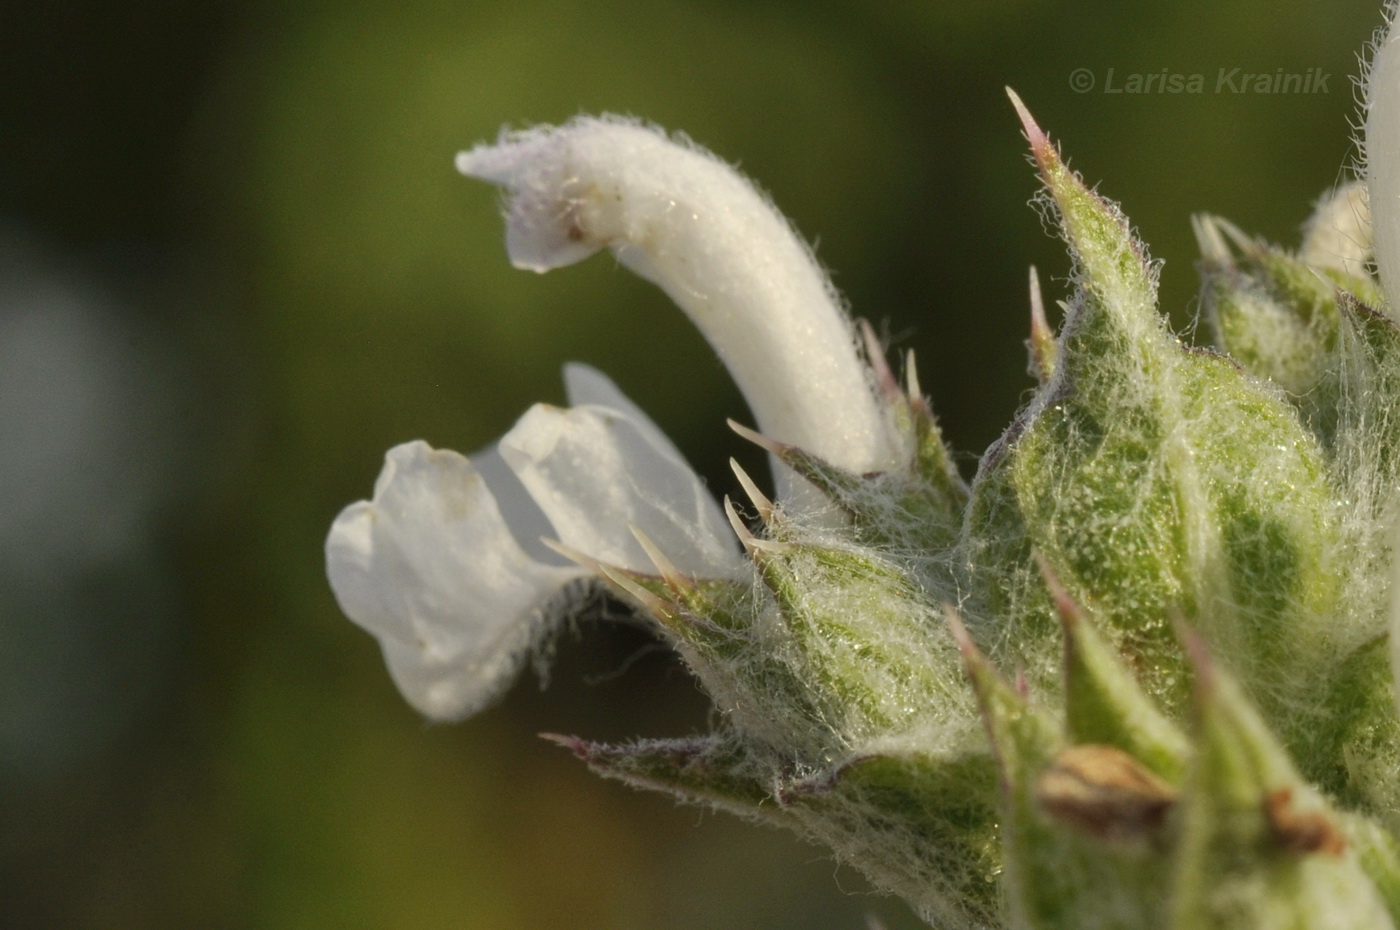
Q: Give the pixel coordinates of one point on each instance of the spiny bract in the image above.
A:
(1181, 556)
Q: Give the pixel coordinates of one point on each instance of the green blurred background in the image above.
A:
(236, 266)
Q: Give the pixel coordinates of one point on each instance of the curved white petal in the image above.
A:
(431, 569)
(1382, 151)
(598, 471)
(683, 219)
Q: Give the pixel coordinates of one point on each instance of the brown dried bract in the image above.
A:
(1105, 793)
(1301, 832)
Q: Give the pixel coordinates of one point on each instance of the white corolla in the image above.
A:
(443, 564)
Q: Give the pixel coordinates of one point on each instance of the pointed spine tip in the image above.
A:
(1038, 320)
(575, 745)
(573, 555)
(673, 577)
(1040, 143)
(1248, 246)
(663, 610)
(875, 355)
(751, 543)
(1209, 241)
(914, 390)
(760, 501)
(1067, 607)
(771, 446)
(617, 576)
(740, 530)
(1044, 350)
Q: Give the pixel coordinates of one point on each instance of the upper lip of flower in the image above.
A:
(684, 220)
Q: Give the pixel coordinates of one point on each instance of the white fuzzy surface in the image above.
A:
(1381, 143)
(681, 218)
(437, 567)
(1338, 234)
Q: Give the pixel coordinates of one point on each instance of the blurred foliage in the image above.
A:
(269, 188)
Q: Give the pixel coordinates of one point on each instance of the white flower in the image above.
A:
(436, 567)
(681, 218)
(443, 564)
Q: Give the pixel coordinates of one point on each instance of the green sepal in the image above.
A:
(927, 484)
(1362, 733)
(1023, 741)
(1278, 316)
(1258, 846)
(1110, 265)
(930, 488)
(1367, 447)
(1157, 480)
(943, 810)
(1258, 327)
(861, 635)
(1104, 704)
(706, 614)
(1023, 738)
(1058, 875)
(715, 770)
(745, 663)
(915, 507)
(1258, 505)
(1085, 451)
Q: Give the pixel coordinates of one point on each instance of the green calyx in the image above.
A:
(1137, 675)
